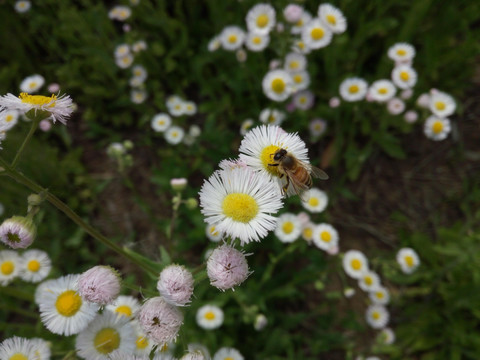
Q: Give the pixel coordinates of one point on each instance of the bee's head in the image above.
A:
(279, 154)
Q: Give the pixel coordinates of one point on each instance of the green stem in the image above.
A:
(60, 205)
(17, 309)
(17, 293)
(25, 142)
(274, 261)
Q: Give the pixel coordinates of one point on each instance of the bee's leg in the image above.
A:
(285, 188)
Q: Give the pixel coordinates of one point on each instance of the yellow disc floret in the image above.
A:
(408, 258)
(232, 39)
(353, 89)
(7, 267)
(141, 342)
(38, 100)
(278, 85)
(262, 21)
(331, 19)
(18, 356)
(124, 310)
(356, 264)
(106, 340)
(210, 315)
(288, 227)
(267, 158)
(401, 52)
(317, 33)
(404, 75)
(437, 128)
(313, 201)
(68, 303)
(440, 105)
(33, 265)
(240, 207)
(326, 236)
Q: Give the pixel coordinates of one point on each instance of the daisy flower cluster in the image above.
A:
(31, 266)
(22, 348)
(174, 134)
(440, 105)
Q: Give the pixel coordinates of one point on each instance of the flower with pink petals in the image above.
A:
(18, 232)
(160, 320)
(100, 285)
(176, 285)
(293, 13)
(227, 267)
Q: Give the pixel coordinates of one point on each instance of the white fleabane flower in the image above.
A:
(441, 104)
(325, 237)
(239, 202)
(369, 280)
(138, 96)
(395, 106)
(317, 127)
(232, 38)
(32, 84)
(120, 13)
(22, 6)
(161, 122)
(10, 266)
(316, 35)
(314, 200)
(295, 62)
(382, 90)
(408, 260)
(209, 317)
(379, 295)
(104, 335)
(41, 349)
(174, 135)
(124, 62)
(288, 228)
(261, 19)
(386, 336)
(122, 50)
(213, 234)
(214, 44)
(125, 306)
(62, 309)
(256, 42)
(377, 316)
(333, 18)
(307, 231)
(36, 266)
(8, 119)
(353, 89)
(190, 108)
(226, 353)
(246, 126)
(355, 263)
(272, 116)
(139, 46)
(301, 80)
(17, 348)
(401, 53)
(139, 73)
(437, 128)
(305, 18)
(303, 100)
(277, 85)
(404, 76)
(57, 107)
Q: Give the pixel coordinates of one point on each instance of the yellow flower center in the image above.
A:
(379, 295)
(126, 60)
(301, 45)
(7, 267)
(124, 310)
(267, 158)
(356, 264)
(437, 128)
(288, 227)
(383, 91)
(353, 89)
(210, 315)
(240, 207)
(302, 100)
(278, 85)
(18, 356)
(38, 100)
(106, 340)
(262, 21)
(141, 342)
(440, 105)
(331, 19)
(326, 236)
(32, 85)
(164, 348)
(232, 39)
(9, 118)
(401, 52)
(299, 23)
(409, 259)
(257, 40)
(229, 358)
(213, 231)
(294, 65)
(404, 75)
(271, 119)
(317, 33)
(368, 280)
(174, 134)
(33, 265)
(308, 233)
(376, 315)
(161, 122)
(68, 303)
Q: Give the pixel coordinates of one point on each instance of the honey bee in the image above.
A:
(298, 173)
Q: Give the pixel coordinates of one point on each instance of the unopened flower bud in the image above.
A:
(18, 232)
(178, 184)
(100, 284)
(191, 203)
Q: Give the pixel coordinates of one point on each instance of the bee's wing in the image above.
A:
(297, 186)
(318, 173)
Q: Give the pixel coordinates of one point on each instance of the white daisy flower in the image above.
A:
(57, 107)
(325, 237)
(120, 13)
(272, 116)
(377, 316)
(22, 6)
(298, 26)
(190, 108)
(277, 85)
(410, 116)
(256, 42)
(214, 44)
(355, 263)
(32, 84)
(333, 18)
(259, 146)
(10, 266)
(174, 135)
(161, 122)
(307, 231)
(300, 47)
(176, 107)
(139, 45)
(213, 234)
(125, 61)
(124, 305)
(314, 200)
(143, 345)
(353, 89)
(379, 295)
(316, 35)
(105, 334)
(36, 266)
(386, 336)
(295, 62)
(41, 349)
(17, 348)
(232, 38)
(408, 260)
(404, 76)
(139, 72)
(122, 50)
(239, 202)
(227, 353)
(303, 100)
(441, 104)
(436, 128)
(317, 127)
(138, 96)
(8, 119)
(382, 90)
(288, 228)
(41, 290)
(261, 18)
(301, 80)
(401, 53)
(62, 310)
(395, 106)
(369, 280)
(209, 317)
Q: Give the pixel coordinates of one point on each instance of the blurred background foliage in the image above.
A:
(435, 312)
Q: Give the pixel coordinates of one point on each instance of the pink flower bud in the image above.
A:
(45, 125)
(160, 320)
(293, 13)
(227, 267)
(334, 102)
(176, 285)
(100, 284)
(411, 116)
(53, 88)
